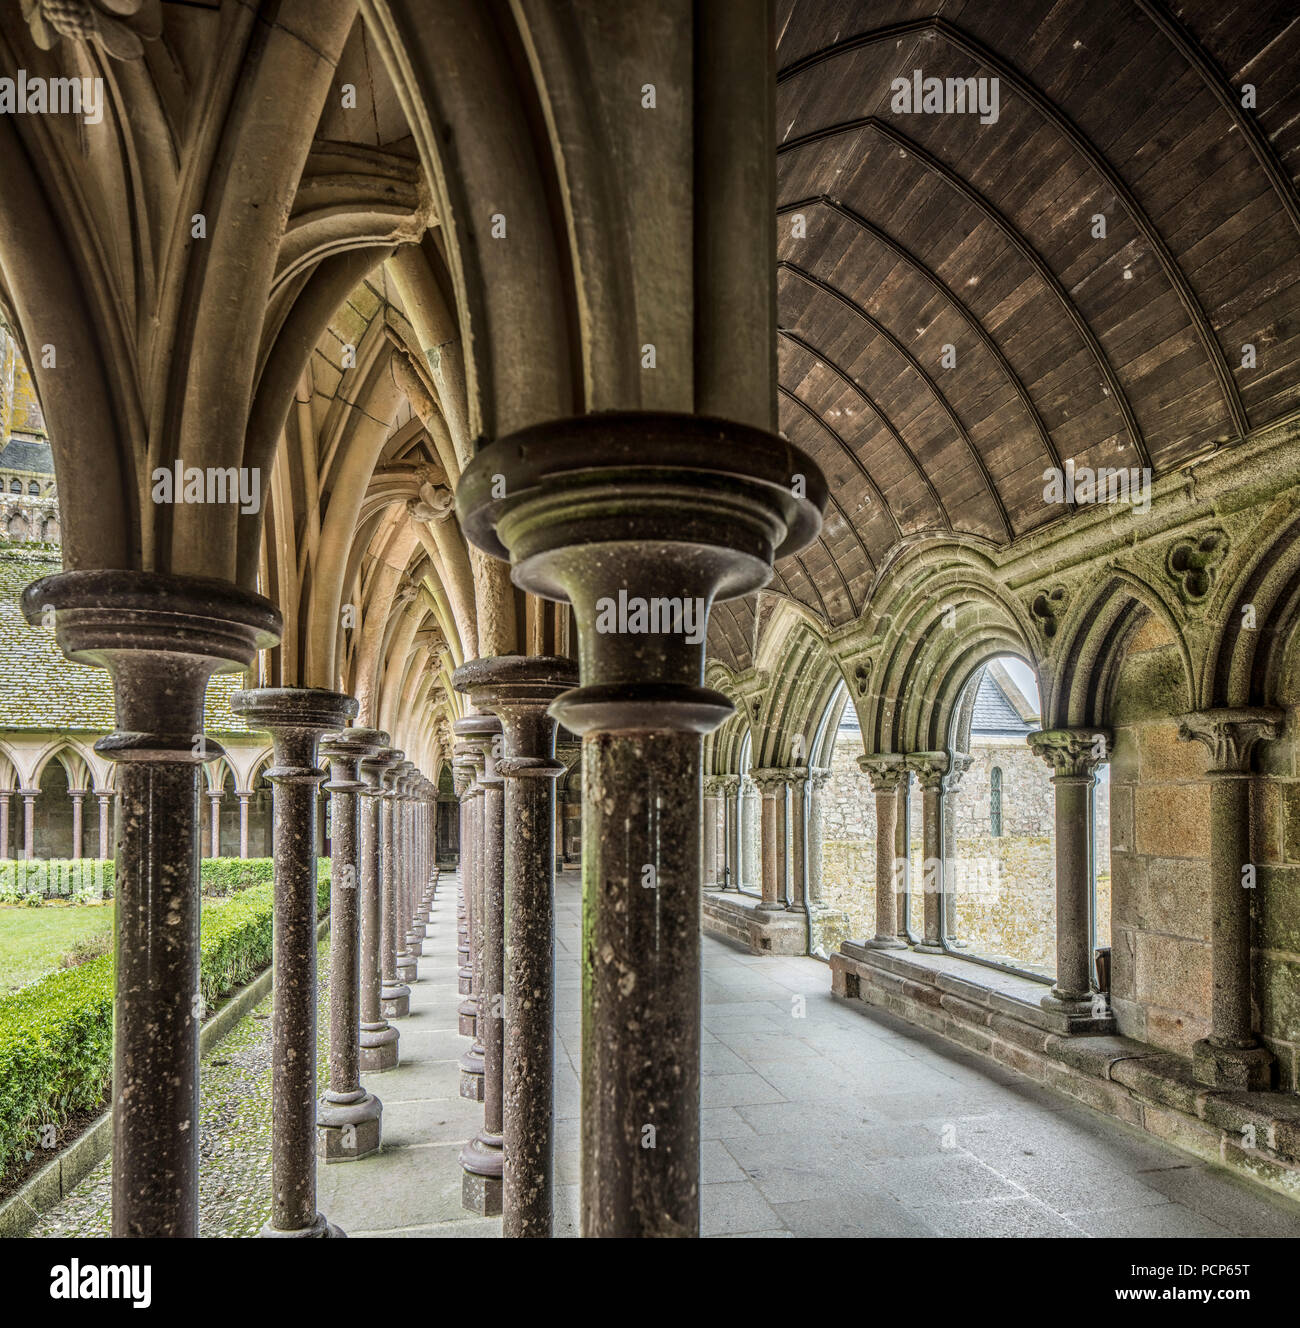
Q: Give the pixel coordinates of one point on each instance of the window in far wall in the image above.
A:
(995, 802)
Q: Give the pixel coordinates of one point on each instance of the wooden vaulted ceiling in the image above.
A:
(929, 230)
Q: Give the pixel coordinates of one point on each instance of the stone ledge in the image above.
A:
(738, 918)
(1255, 1134)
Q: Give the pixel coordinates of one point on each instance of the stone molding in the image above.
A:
(929, 768)
(885, 770)
(1230, 734)
(770, 780)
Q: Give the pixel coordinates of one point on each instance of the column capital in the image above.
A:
(885, 770)
(713, 785)
(958, 764)
(482, 732)
(1230, 733)
(929, 768)
(1072, 753)
(295, 717)
(520, 690)
(728, 784)
(770, 779)
(345, 751)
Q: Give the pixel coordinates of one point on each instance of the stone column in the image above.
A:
(796, 881)
(817, 777)
(394, 994)
(378, 1038)
(4, 826)
(730, 785)
(518, 690)
(886, 773)
(296, 718)
(772, 785)
(483, 1157)
(930, 768)
(413, 942)
(214, 820)
(348, 1119)
(1232, 1056)
(1073, 755)
(404, 962)
(77, 796)
(29, 821)
(709, 873)
(161, 637)
(471, 1063)
(464, 776)
(105, 807)
(903, 860)
(243, 795)
(959, 763)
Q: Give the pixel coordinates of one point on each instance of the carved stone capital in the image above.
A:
(120, 27)
(817, 775)
(1230, 734)
(1072, 753)
(770, 781)
(885, 770)
(929, 768)
(728, 784)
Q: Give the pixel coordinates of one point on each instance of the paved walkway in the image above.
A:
(820, 1118)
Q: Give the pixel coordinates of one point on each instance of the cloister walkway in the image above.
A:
(819, 1119)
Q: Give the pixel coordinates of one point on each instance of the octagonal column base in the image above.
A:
(379, 1048)
(395, 1001)
(319, 1230)
(346, 1131)
(482, 1186)
(1246, 1069)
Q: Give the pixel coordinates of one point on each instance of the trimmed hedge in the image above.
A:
(56, 1035)
(56, 877)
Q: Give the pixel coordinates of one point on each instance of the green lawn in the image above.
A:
(32, 940)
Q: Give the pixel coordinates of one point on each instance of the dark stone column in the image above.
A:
(731, 802)
(161, 638)
(958, 764)
(394, 994)
(379, 1039)
(624, 515)
(1074, 755)
(772, 785)
(405, 959)
(483, 1157)
(471, 1063)
(464, 777)
(348, 1120)
(798, 823)
(930, 768)
(296, 718)
(711, 800)
(886, 773)
(1232, 1056)
(518, 689)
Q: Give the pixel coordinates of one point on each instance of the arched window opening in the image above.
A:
(998, 823)
(848, 825)
(751, 859)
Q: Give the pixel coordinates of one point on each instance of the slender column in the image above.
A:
(798, 819)
(958, 764)
(1073, 755)
(471, 1063)
(731, 804)
(348, 1119)
(214, 822)
(817, 778)
(903, 860)
(772, 786)
(709, 872)
(105, 806)
(394, 994)
(483, 1157)
(378, 1038)
(886, 773)
(4, 826)
(29, 821)
(77, 796)
(295, 717)
(161, 637)
(243, 795)
(1232, 1056)
(519, 689)
(464, 777)
(404, 962)
(930, 768)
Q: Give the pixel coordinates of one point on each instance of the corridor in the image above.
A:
(820, 1118)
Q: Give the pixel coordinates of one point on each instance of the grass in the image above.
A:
(34, 940)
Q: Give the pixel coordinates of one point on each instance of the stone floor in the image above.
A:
(820, 1118)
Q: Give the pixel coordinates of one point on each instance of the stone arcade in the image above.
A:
(507, 367)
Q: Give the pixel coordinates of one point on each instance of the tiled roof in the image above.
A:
(40, 690)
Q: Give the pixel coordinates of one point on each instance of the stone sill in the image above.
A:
(989, 1012)
(738, 918)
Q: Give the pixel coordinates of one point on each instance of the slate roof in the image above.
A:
(994, 711)
(40, 690)
(27, 454)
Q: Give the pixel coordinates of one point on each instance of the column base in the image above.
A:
(879, 942)
(414, 946)
(417, 929)
(482, 1184)
(464, 981)
(379, 1048)
(395, 1000)
(1247, 1069)
(346, 1131)
(406, 971)
(472, 1080)
(319, 1230)
(925, 948)
(467, 1019)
